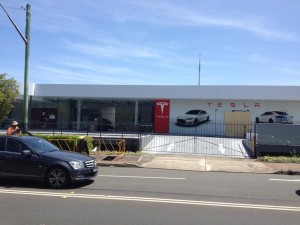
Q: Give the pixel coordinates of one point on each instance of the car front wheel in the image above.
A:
(57, 177)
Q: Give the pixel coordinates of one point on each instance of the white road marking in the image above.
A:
(153, 200)
(143, 177)
(286, 180)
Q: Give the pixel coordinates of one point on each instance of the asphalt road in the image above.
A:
(137, 196)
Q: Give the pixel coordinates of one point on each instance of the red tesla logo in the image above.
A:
(162, 106)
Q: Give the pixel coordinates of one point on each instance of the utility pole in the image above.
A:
(26, 40)
(26, 69)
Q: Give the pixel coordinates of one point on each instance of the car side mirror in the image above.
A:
(26, 153)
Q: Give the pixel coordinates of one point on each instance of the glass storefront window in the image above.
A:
(92, 115)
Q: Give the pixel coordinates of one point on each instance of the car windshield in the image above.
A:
(40, 145)
(281, 113)
(193, 112)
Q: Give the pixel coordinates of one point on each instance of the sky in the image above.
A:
(153, 42)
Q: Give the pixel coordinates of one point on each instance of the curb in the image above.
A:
(136, 165)
(131, 165)
(138, 162)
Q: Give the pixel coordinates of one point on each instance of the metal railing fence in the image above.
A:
(209, 138)
(211, 128)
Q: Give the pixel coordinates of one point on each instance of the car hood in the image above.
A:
(67, 156)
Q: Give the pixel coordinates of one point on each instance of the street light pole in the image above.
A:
(26, 40)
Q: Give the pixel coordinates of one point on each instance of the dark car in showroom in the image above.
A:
(104, 125)
(30, 157)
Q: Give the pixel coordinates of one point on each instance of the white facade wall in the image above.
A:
(216, 100)
(268, 93)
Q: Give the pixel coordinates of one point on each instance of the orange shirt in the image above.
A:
(13, 130)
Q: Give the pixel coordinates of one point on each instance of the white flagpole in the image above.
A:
(199, 69)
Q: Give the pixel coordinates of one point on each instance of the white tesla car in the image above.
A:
(192, 117)
(274, 117)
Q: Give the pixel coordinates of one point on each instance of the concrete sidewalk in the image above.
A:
(197, 163)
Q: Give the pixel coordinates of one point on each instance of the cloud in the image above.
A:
(112, 50)
(129, 53)
(259, 58)
(289, 71)
(107, 76)
(82, 18)
(76, 17)
(170, 13)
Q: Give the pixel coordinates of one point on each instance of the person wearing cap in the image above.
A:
(13, 129)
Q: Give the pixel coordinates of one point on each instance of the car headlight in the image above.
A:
(189, 119)
(76, 165)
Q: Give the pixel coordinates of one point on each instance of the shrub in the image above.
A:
(67, 142)
(279, 159)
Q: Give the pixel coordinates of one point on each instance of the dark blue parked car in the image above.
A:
(31, 157)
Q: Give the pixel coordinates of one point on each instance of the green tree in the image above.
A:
(9, 90)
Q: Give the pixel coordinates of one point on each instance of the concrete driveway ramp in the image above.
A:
(205, 164)
(175, 163)
(195, 145)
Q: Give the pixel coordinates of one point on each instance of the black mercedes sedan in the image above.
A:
(32, 157)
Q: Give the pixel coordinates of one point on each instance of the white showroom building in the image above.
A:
(85, 107)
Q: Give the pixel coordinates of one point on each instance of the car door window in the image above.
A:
(2, 144)
(15, 146)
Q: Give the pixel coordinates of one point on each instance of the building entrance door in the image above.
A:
(238, 123)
